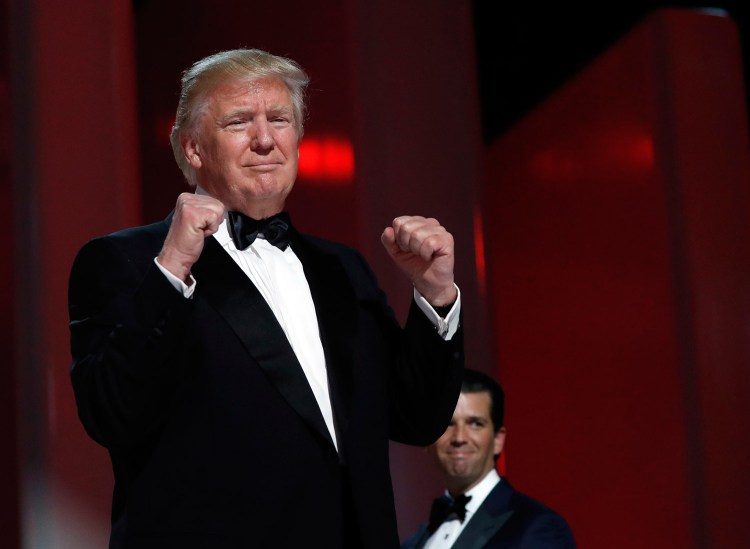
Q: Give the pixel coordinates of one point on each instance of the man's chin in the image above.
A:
(459, 471)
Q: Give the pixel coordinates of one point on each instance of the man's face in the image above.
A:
(244, 145)
(465, 452)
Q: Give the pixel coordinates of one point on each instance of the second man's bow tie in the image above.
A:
(444, 508)
(244, 229)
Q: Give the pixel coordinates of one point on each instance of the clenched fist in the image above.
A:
(423, 249)
(195, 217)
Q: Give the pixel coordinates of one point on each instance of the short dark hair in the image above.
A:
(478, 382)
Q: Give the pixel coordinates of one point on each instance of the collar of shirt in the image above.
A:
(480, 492)
(222, 235)
(448, 532)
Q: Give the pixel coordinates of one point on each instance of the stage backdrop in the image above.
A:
(617, 224)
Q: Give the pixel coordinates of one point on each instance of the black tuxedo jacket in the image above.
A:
(214, 435)
(507, 519)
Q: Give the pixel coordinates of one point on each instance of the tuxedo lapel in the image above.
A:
(228, 290)
(489, 518)
(418, 540)
(335, 307)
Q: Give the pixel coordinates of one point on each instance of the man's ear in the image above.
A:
(192, 151)
(499, 442)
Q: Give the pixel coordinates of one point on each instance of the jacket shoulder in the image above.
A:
(145, 238)
(537, 523)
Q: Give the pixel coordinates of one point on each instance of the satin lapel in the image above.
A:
(223, 284)
(335, 307)
(422, 538)
(489, 518)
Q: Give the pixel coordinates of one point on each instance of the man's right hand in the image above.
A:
(195, 217)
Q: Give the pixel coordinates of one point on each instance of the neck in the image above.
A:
(457, 487)
(258, 209)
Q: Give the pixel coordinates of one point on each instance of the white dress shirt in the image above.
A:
(447, 533)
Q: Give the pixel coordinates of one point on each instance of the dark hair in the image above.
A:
(478, 382)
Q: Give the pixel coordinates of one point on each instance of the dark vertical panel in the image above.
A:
(710, 181)
(74, 176)
(617, 252)
(9, 466)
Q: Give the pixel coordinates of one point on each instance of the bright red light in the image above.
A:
(326, 160)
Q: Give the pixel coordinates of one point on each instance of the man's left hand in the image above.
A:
(423, 249)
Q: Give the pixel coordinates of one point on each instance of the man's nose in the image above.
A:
(262, 138)
(459, 435)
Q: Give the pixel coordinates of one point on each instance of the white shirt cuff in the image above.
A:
(185, 289)
(446, 327)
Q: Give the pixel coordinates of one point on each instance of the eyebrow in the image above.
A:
(237, 112)
(244, 111)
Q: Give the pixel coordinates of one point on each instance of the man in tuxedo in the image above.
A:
(246, 378)
(480, 510)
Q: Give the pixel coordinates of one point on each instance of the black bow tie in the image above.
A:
(244, 229)
(444, 507)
